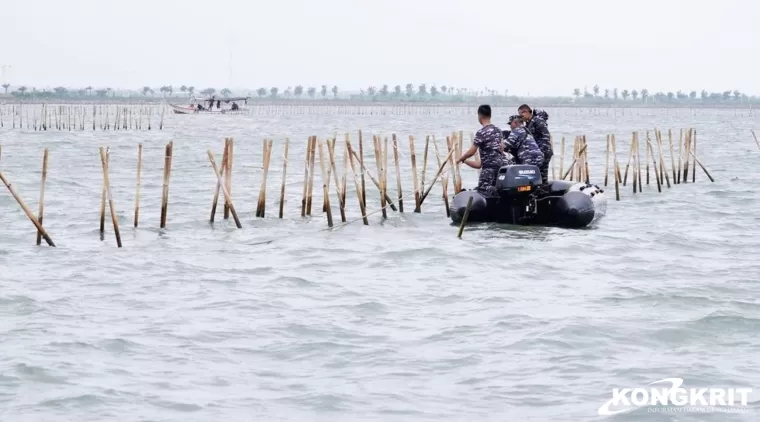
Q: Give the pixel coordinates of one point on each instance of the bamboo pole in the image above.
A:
(225, 156)
(680, 156)
(686, 149)
(572, 165)
(261, 208)
(424, 163)
(755, 136)
(26, 210)
(663, 167)
(444, 180)
(414, 175)
(607, 161)
(616, 169)
(42, 194)
(693, 164)
(465, 217)
(103, 204)
(111, 206)
(638, 161)
(338, 190)
(378, 162)
(312, 163)
(284, 177)
(384, 181)
(398, 174)
(224, 189)
(306, 177)
(361, 165)
(137, 194)
(167, 173)
(440, 169)
(562, 157)
(228, 177)
(585, 162)
(700, 165)
(646, 159)
(356, 182)
(364, 170)
(650, 150)
(325, 185)
(630, 157)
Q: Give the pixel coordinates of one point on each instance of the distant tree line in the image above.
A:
(409, 92)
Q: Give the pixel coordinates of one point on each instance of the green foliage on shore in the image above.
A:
(409, 93)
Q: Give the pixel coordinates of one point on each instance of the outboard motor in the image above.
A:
(516, 185)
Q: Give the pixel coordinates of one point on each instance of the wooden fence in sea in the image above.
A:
(80, 117)
(668, 161)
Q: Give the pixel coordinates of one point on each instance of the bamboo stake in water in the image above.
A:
(562, 157)
(438, 174)
(356, 182)
(398, 174)
(444, 180)
(414, 175)
(215, 201)
(638, 160)
(42, 194)
(663, 167)
(361, 165)
(630, 157)
(650, 150)
(424, 163)
(167, 173)
(607, 161)
(224, 190)
(228, 177)
(585, 162)
(325, 186)
(647, 148)
(26, 210)
(703, 167)
(260, 210)
(103, 205)
(378, 163)
(284, 177)
(312, 163)
(616, 169)
(755, 136)
(306, 177)
(338, 190)
(465, 217)
(572, 165)
(374, 181)
(384, 182)
(694, 165)
(111, 206)
(137, 194)
(680, 156)
(686, 149)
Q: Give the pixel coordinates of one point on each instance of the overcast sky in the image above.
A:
(546, 47)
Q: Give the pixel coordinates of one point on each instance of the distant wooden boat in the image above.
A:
(213, 105)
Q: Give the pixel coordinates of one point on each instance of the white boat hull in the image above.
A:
(189, 110)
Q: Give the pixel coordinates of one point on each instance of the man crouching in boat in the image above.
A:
(522, 146)
(490, 142)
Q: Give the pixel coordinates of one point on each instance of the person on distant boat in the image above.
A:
(535, 123)
(219, 104)
(211, 103)
(490, 142)
(234, 106)
(199, 107)
(521, 145)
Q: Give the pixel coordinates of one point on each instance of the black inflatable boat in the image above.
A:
(519, 198)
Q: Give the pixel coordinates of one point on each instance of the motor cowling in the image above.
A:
(518, 179)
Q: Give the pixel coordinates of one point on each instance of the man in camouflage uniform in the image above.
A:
(490, 142)
(537, 127)
(522, 146)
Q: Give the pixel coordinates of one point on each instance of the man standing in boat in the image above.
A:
(536, 125)
(490, 142)
(521, 145)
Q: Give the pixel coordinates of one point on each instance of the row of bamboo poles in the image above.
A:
(323, 156)
(655, 155)
(78, 117)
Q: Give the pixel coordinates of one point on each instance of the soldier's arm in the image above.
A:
(542, 131)
(510, 142)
